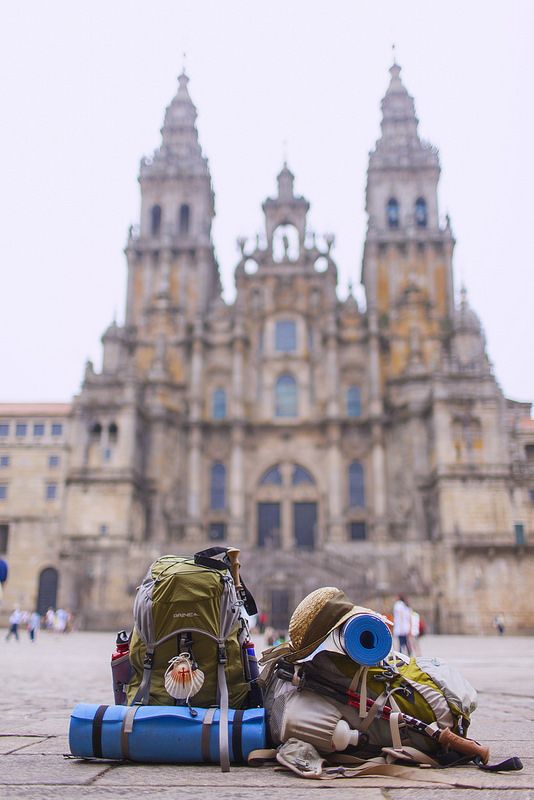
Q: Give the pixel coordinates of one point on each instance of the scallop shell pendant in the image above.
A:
(182, 679)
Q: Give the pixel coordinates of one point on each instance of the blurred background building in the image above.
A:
(367, 448)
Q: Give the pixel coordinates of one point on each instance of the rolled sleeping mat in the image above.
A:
(365, 638)
(163, 734)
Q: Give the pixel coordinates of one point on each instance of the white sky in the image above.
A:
(84, 86)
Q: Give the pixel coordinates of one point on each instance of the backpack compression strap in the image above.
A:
(224, 753)
(142, 695)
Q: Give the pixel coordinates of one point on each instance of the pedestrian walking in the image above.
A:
(34, 623)
(402, 623)
(498, 623)
(14, 621)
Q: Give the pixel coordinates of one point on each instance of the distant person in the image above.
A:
(14, 621)
(50, 619)
(498, 623)
(262, 622)
(62, 618)
(34, 623)
(415, 632)
(402, 624)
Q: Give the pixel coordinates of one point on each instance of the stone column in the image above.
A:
(378, 468)
(332, 370)
(237, 474)
(336, 484)
(194, 472)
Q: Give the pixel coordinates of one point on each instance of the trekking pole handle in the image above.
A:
(467, 746)
(233, 557)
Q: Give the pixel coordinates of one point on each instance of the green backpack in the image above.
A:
(189, 605)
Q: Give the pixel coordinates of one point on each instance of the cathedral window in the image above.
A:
(286, 336)
(4, 429)
(301, 476)
(51, 491)
(286, 396)
(155, 220)
(356, 486)
(4, 461)
(57, 429)
(53, 461)
(420, 212)
(273, 477)
(218, 487)
(184, 218)
(392, 209)
(38, 429)
(218, 405)
(217, 531)
(3, 491)
(21, 429)
(529, 453)
(4, 538)
(357, 531)
(113, 433)
(96, 431)
(353, 402)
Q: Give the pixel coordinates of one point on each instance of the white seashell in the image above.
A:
(182, 680)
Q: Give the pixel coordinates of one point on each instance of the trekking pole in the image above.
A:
(233, 558)
(445, 737)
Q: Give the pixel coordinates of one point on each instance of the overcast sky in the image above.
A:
(84, 86)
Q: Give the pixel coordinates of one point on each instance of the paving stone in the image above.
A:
(170, 793)
(9, 744)
(459, 794)
(30, 769)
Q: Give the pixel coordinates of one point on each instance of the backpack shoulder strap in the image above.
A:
(224, 751)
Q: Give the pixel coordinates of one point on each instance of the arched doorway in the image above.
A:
(47, 591)
(287, 508)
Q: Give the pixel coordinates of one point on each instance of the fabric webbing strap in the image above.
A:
(142, 695)
(237, 736)
(97, 730)
(127, 728)
(223, 719)
(205, 735)
(394, 728)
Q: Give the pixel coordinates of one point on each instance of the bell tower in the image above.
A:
(407, 262)
(172, 271)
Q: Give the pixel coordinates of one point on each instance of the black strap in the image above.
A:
(512, 764)
(97, 731)
(205, 558)
(237, 736)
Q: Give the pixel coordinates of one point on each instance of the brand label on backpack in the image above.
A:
(185, 614)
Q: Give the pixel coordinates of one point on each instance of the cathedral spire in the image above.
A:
(179, 136)
(399, 122)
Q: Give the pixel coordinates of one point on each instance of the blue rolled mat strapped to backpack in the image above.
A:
(163, 734)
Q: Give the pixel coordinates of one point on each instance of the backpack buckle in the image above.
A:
(221, 654)
(148, 661)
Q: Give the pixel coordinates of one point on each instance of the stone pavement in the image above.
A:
(41, 683)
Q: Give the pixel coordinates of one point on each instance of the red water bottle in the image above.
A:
(121, 670)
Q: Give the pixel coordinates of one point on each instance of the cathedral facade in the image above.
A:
(368, 448)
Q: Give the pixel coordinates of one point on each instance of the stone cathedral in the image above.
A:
(369, 448)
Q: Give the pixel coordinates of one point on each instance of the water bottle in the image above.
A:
(252, 673)
(121, 671)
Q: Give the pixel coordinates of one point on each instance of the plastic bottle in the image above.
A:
(252, 673)
(344, 735)
(121, 667)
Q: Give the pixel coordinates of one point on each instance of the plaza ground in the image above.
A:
(42, 682)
